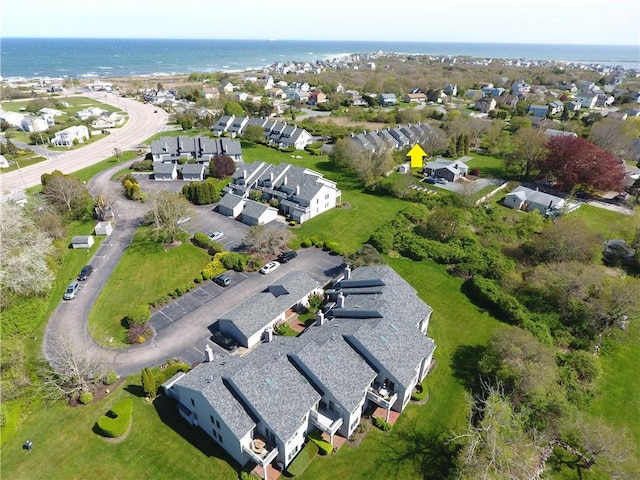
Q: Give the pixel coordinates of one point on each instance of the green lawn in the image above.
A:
(75, 105)
(489, 165)
(606, 223)
(160, 444)
(25, 159)
(145, 273)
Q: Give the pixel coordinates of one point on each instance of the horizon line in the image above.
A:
(272, 40)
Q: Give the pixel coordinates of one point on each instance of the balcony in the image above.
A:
(381, 396)
(258, 450)
(327, 421)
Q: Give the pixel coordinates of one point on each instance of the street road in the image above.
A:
(142, 123)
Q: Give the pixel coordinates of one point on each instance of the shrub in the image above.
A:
(305, 243)
(304, 458)
(212, 269)
(504, 305)
(142, 166)
(324, 447)
(85, 397)
(381, 424)
(110, 377)
(139, 333)
(421, 392)
(315, 302)
(234, 261)
(164, 375)
(149, 383)
(116, 422)
(139, 315)
(247, 476)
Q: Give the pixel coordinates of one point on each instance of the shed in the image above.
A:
(104, 228)
(82, 241)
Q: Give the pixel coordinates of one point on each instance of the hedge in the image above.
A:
(324, 447)
(381, 424)
(504, 305)
(303, 460)
(116, 422)
(138, 315)
(164, 375)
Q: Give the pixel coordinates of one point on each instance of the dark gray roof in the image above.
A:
(196, 147)
(207, 378)
(192, 169)
(255, 312)
(164, 169)
(230, 201)
(275, 389)
(253, 209)
(337, 366)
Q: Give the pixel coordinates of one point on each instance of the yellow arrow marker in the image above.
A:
(416, 154)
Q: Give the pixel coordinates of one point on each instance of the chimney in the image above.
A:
(284, 180)
(340, 301)
(268, 336)
(347, 272)
(320, 318)
(244, 173)
(208, 354)
(297, 190)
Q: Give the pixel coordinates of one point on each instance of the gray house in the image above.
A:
(387, 99)
(193, 172)
(450, 170)
(164, 172)
(523, 198)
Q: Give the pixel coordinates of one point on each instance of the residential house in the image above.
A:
(90, 112)
(249, 321)
(3, 162)
(164, 172)
(523, 198)
(256, 213)
(316, 98)
(367, 348)
(51, 111)
(108, 120)
(231, 205)
(587, 100)
(485, 104)
(604, 100)
(552, 132)
(556, 107)
(415, 98)
(71, 135)
(223, 123)
(192, 172)
(237, 126)
(573, 106)
(539, 110)
(387, 99)
(293, 136)
(509, 101)
(297, 94)
(301, 193)
(226, 87)
(34, 124)
(492, 91)
(451, 89)
(211, 93)
(201, 149)
(520, 87)
(450, 170)
(12, 118)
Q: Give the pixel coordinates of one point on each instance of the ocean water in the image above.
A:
(42, 57)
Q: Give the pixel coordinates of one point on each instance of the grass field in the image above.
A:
(147, 262)
(25, 159)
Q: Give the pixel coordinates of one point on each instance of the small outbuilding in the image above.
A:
(255, 213)
(231, 205)
(104, 228)
(164, 171)
(82, 241)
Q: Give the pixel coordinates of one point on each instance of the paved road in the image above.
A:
(143, 123)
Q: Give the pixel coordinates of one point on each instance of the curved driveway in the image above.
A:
(143, 123)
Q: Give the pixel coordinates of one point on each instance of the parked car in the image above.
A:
(85, 272)
(222, 280)
(71, 291)
(269, 267)
(217, 236)
(429, 180)
(441, 180)
(285, 257)
(224, 340)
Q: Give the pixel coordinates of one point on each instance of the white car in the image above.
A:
(217, 235)
(269, 267)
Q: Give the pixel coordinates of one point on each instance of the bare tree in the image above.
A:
(612, 135)
(433, 140)
(23, 253)
(166, 209)
(73, 368)
(265, 242)
(63, 192)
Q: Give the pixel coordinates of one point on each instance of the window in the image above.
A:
(215, 435)
(193, 403)
(218, 424)
(213, 422)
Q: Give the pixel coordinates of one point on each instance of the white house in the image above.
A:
(34, 124)
(587, 100)
(82, 241)
(90, 112)
(523, 198)
(369, 348)
(12, 118)
(67, 137)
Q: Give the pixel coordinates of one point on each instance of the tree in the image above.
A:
(498, 445)
(23, 254)
(345, 153)
(566, 239)
(166, 209)
(446, 223)
(254, 133)
(612, 135)
(73, 368)
(574, 161)
(201, 193)
(222, 166)
(66, 194)
(433, 141)
(233, 108)
(265, 242)
(10, 148)
(529, 149)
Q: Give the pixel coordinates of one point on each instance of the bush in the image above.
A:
(85, 397)
(142, 166)
(234, 261)
(303, 460)
(164, 375)
(324, 447)
(139, 333)
(139, 315)
(381, 424)
(305, 243)
(116, 422)
(213, 268)
(149, 383)
(421, 392)
(110, 377)
(504, 305)
(315, 302)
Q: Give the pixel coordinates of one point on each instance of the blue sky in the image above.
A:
(616, 22)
